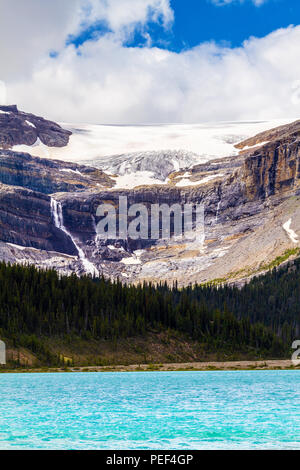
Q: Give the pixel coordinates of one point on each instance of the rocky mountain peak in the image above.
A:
(19, 128)
(9, 109)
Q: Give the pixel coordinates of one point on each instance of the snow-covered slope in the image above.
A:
(148, 154)
(251, 198)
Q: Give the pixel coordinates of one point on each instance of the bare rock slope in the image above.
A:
(252, 210)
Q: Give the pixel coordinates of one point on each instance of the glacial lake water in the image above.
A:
(151, 410)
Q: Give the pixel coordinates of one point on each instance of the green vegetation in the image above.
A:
(281, 259)
(263, 268)
(260, 319)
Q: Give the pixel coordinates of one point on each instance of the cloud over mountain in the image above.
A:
(104, 80)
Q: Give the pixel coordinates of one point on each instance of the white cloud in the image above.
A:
(2, 93)
(128, 13)
(105, 82)
(30, 29)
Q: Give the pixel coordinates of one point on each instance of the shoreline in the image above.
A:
(284, 364)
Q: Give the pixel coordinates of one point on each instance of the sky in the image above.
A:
(151, 61)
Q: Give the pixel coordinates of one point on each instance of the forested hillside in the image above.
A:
(35, 305)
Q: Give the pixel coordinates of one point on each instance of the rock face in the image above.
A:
(277, 134)
(19, 128)
(247, 198)
(273, 169)
(49, 176)
(25, 220)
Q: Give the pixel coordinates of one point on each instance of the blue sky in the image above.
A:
(151, 61)
(233, 23)
(198, 21)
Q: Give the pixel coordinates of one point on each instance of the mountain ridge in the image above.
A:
(248, 197)
(19, 128)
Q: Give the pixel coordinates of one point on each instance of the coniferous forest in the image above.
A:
(262, 316)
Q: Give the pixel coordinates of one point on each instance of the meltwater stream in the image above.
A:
(57, 214)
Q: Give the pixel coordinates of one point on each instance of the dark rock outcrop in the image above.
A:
(273, 169)
(48, 176)
(19, 128)
(25, 220)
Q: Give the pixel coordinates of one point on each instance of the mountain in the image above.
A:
(249, 185)
(138, 155)
(18, 128)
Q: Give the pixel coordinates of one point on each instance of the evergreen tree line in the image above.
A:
(263, 315)
(272, 299)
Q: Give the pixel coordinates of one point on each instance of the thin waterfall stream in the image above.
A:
(57, 214)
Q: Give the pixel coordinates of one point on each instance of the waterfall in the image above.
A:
(95, 228)
(218, 209)
(57, 215)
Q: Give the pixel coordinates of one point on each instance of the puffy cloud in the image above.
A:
(103, 81)
(31, 29)
(128, 13)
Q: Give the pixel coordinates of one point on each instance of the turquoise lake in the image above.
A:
(151, 410)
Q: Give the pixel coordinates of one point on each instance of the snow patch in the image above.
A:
(30, 124)
(38, 149)
(131, 261)
(186, 182)
(292, 235)
(256, 145)
(18, 247)
(68, 170)
(134, 260)
(130, 181)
